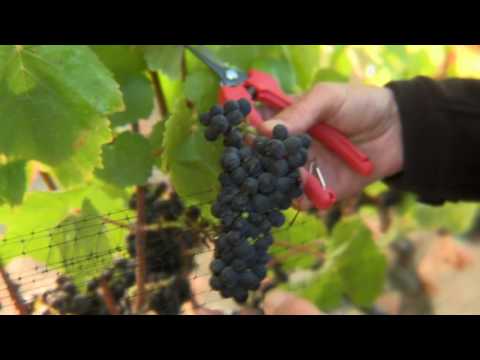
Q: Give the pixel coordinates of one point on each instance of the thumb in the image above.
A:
(283, 303)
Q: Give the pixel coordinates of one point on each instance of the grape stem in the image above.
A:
(159, 95)
(302, 249)
(13, 293)
(184, 73)
(47, 179)
(107, 297)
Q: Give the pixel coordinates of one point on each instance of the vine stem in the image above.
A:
(184, 73)
(140, 273)
(47, 179)
(159, 94)
(108, 298)
(300, 248)
(13, 293)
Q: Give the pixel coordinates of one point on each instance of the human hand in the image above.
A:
(276, 302)
(367, 115)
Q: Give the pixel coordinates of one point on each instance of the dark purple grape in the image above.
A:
(230, 106)
(235, 118)
(211, 134)
(293, 145)
(306, 140)
(280, 132)
(216, 110)
(205, 119)
(244, 106)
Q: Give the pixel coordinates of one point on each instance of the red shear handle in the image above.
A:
(320, 197)
(269, 92)
(338, 143)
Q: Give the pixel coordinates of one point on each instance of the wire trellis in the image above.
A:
(63, 248)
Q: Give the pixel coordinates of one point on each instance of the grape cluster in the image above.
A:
(167, 247)
(119, 278)
(66, 298)
(174, 232)
(158, 208)
(258, 181)
(168, 299)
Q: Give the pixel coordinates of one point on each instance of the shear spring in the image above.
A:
(316, 171)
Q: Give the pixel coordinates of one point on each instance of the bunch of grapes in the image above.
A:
(119, 278)
(66, 298)
(258, 182)
(175, 232)
(157, 208)
(168, 298)
(169, 246)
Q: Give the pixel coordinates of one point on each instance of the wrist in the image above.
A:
(394, 153)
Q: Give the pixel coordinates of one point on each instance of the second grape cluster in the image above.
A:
(258, 181)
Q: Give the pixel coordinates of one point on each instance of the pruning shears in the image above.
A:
(258, 86)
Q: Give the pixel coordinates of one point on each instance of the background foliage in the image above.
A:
(67, 112)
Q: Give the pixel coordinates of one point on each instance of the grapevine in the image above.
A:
(174, 233)
(86, 126)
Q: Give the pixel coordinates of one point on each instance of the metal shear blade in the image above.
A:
(229, 75)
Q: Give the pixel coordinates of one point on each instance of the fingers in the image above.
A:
(205, 311)
(320, 104)
(282, 303)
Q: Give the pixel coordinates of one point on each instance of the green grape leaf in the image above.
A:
(192, 162)
(327, 75)
(304, 231)
(109, 199)
(354, 266)
(243, 56)
(46, 224)
(13, 182)
(456, 217)
(156, 142)
(201, 87)
(325, 291)
(83, 247)
(172, 90)
(165, 58)
(127, 161)
(57, 100)
(128, 66)
(122, 60)
(358, 260)
(87, 156)
(40, 210)
(138, 96)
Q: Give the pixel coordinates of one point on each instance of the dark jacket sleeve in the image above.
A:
(441, 136)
